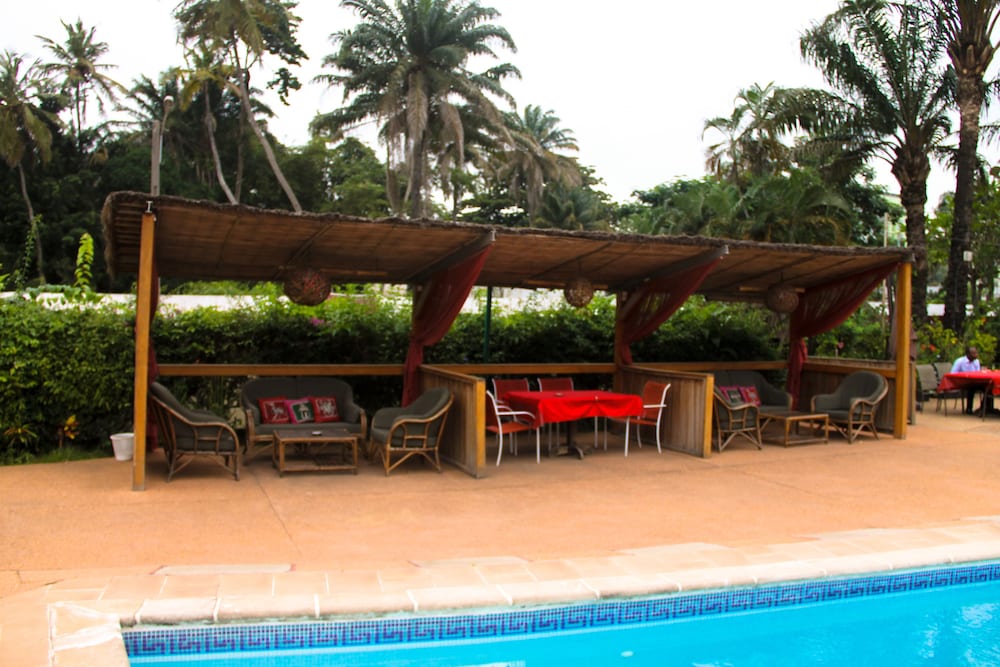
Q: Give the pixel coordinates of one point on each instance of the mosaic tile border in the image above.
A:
(201, 640)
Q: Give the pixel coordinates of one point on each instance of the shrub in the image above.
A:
(74, 358)
(70, 359)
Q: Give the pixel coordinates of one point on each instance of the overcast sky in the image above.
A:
(635, 80)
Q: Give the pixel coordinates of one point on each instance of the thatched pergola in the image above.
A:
(179, 238)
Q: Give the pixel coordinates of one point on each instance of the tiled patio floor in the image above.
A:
(81, 552)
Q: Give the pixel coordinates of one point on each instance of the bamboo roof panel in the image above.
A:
(199, 240)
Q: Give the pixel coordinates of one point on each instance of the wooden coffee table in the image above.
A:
(791, 420)
(322, 449)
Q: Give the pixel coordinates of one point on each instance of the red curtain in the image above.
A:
(821, 309)
(653, 302)
(434, 309)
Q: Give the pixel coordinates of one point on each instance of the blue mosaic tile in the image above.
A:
(198, 640)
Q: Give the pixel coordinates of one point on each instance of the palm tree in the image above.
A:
(241, 32)
(530, 160)
(407, 68)
(969, 28)
(571, 208)
(796, 208)
(76, 63)
(752, 145)
(885, 61)
(25, 126)
(204, 73)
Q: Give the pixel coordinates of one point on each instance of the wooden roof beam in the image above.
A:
(454, 258)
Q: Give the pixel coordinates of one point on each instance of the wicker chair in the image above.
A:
(186, 434)
(411, 431)
(852, 407)
(735, 419)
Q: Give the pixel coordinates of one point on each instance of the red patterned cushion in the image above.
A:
(325, 409)
(274, 411)
(300, 410)
(732, 394)
(750, 395)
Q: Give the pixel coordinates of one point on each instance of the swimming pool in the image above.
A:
(943, 615)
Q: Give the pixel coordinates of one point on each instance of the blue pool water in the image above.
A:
(942, 616)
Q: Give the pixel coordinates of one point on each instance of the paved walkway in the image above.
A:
(81, 552)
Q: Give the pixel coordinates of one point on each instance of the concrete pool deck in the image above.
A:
(82, 553)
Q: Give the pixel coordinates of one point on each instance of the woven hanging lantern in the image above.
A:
(781, 298)
(578, 292)
(307, 287)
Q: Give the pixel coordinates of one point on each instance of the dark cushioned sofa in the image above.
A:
(352, 416)
(771, 397)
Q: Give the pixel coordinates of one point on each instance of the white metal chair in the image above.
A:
(504, 421)
(654, 402)
(502, 385)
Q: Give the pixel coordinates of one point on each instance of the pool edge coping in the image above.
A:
(81, 634)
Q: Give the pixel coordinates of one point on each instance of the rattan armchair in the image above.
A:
(854, 404)
(186, 434)
(411, 431)
(735, 419)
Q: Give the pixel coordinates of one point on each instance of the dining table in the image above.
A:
(551, 407)
(987, 380)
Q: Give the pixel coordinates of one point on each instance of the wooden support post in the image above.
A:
(904, 324)
(143, 313)
(620, 299)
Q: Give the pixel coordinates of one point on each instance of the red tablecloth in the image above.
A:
(563, 406)
(990, 380)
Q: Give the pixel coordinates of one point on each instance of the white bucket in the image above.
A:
(123, 444)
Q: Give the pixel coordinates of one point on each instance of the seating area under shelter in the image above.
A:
(650, 276)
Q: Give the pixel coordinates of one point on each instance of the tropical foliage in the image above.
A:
(784, 165)
(407, 67)
(968, 28)
(893, 93)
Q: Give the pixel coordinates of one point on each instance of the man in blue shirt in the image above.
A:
(966, 364)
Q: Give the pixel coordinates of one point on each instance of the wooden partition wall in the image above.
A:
(463, 442)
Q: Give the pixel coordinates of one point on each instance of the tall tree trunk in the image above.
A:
(210, 129)
(240, 156)
(265, 144)
(32, 224)
(911, 169)
(414, 187)
(970, 100)
(392, 184)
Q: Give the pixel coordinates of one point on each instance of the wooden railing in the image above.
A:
(688, 426)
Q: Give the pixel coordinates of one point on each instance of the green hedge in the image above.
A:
(75, 359)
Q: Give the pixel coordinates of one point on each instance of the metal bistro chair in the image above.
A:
(566, 384)
(502, 385)
(654, 402)
(941, 368)
(504, 421)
